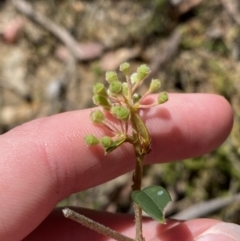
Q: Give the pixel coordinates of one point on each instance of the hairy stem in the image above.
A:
(89, 223)
(137, 182)
(137, 175)
(138, 221)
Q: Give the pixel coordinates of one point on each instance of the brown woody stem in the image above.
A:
(87, 222)
(137, 182)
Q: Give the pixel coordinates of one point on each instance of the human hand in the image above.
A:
(46, 160)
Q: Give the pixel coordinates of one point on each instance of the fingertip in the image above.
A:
(188, 125)
(220, 232)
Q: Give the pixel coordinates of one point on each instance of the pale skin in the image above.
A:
(46, 160)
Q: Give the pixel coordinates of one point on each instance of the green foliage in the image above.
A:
(115, 145)
(122, 102)
(152, 200)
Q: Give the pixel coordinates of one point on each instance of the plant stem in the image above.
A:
(137, 175)
(89, 223)
(137, 179)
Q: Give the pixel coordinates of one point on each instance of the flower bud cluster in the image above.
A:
(122, 101)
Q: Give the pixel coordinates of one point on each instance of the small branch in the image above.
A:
(129, 87)
(89, 223)
(137, 178)
(58, 31)
(138, 220)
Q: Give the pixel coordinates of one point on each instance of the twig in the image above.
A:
(58, 31)
(87, 222)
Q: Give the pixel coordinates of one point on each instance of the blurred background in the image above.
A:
(52, 52)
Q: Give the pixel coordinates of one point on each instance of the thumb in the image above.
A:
(220, 232)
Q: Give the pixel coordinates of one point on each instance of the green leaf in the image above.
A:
(152, 200)
(114, 145)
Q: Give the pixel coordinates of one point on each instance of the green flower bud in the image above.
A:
(125, 68)
(111, 76)
(134, 78)
(143, 71)
(91, 140)
(106, 141)
(115, 87)
(155, 85)
(101, 100)
(97, 116)
(162, 97)
(136, 97)
(125, 89)
(120, 112)
(99, 88)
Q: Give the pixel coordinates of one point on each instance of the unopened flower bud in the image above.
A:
(100, 100)
(99, 88)
(120, 112)
(106, 141)
(97, 116)
(125, 89)
(162, 97)
(111, 76)
(115, 87)
(155, 85)
(125, 68)
(143, 71)
(136, 97)
(134, 78)
(91, 140)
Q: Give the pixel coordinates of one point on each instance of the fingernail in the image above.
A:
(221, 232)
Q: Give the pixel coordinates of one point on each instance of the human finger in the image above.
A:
(56, 227)
(45, 160)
